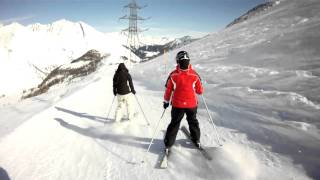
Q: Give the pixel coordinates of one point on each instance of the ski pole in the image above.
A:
(214, 126)
(110, 108)
(142, 110)
(154, 134)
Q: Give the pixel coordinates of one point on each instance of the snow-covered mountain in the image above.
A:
(150, 51)
(153, 40)
(254, 12)
(28, 49)
(65, 39)
(179, 42)
(82, 66)
(261, 79)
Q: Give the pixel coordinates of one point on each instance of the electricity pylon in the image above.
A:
(133, 31)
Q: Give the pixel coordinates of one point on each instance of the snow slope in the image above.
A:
(74, 139)
(261, 81)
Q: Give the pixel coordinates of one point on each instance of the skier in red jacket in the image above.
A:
(183, 84)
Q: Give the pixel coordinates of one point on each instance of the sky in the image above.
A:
(168, 18)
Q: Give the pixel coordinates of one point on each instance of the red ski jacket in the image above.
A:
(183, 84)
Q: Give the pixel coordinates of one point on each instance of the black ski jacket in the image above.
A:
(121, 79)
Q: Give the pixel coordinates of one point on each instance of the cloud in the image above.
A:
(16, 19)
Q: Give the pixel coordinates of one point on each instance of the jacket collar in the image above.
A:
(183, 70)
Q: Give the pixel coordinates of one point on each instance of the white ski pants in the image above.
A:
(124, 102)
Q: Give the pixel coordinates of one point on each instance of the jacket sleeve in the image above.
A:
(168, 79)
(198, 86)
(115, 83)
(169, 89)
(131, 84)
(167, 82)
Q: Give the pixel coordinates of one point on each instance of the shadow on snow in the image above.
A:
(85, 115)
(3, 174)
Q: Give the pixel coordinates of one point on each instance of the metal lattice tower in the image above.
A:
(133, 31)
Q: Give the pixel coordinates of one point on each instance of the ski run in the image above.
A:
(73, 139)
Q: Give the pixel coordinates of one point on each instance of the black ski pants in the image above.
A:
(173, 128)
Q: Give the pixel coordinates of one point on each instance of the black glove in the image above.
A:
(165, 105)
(133, 91)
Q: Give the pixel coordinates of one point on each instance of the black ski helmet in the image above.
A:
(182, 55)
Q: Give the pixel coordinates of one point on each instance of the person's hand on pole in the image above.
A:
(165, 105)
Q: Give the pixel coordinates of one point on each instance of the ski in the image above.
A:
(201, 149)
(164, 160)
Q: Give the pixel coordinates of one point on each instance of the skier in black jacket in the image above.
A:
(122, 90)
